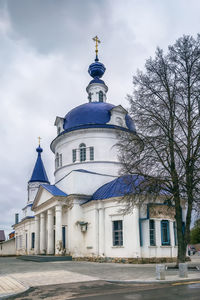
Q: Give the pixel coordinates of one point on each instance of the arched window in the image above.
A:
(90, 97)
(100, 96)
(82, 148)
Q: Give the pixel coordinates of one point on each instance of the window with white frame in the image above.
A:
(152, 233)
(33, 240)
(117, 233)
(74, 155)
(58, 161)
(83, 153)
(91, 153)
(165, 233)
(82, 149)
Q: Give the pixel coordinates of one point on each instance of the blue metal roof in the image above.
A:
(54, 190)
(39, 173)
(90, 114)
(128, 184)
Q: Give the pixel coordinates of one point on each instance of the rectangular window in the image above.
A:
(74, 155)
(117, 233)
(175, 233)
(82, 154)
(63, 237)
(33, 240)
(152, 235)
(91, 153)
(165, 235)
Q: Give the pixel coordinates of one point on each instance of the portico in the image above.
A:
(49, 220)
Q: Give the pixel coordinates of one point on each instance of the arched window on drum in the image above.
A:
(82, 148)
(100, 96)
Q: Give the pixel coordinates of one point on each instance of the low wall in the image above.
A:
(8, 248)
(151, 260)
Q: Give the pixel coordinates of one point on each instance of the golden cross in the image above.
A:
(39, 139)
(96, 39)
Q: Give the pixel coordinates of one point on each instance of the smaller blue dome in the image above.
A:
(96, 69)
(39, 149)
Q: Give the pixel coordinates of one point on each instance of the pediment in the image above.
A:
(41, 197)
(119, 109)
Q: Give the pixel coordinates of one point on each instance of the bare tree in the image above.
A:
(166, 147)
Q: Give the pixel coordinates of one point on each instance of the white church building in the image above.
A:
(80, 214)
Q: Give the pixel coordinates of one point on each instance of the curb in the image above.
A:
(155, 281)
(7, 296)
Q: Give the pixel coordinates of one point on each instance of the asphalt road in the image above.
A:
(101, 290)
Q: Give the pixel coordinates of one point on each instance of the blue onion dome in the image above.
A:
(39, 149)
(96, 69)
(92, 114)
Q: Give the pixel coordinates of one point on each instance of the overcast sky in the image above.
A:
(45, 49)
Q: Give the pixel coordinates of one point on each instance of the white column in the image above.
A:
(96, 230)
(136, 247)
(37, 234)
(42, 234)
(50, 237)
(101, 232)
(58, 235)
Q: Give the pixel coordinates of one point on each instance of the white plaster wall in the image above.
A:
(28, 212)
(131, 247)
(32, 190)
(94, 89)
(21, 229)
(105, 152)
(158, 250)
(45, 195)
(75, 237)
(82, 183)
(99, 241)
(90, 237)
(8, 247)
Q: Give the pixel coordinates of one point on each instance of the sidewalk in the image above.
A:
(16, 275)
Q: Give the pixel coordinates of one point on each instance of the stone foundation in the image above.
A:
(122, 260)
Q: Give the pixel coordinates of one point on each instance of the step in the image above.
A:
(44, 258)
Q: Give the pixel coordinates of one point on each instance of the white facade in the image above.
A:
(7, 247)
(66, 218)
